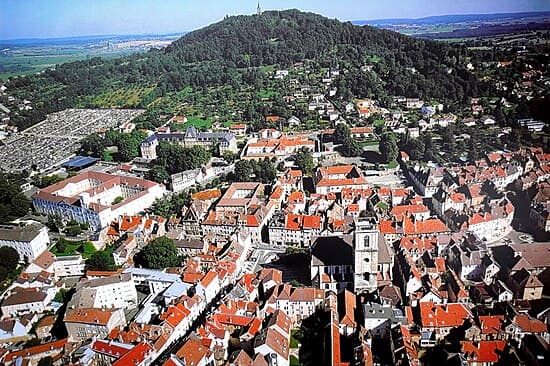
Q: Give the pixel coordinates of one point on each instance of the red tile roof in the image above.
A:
(449, 315)
(110, 348)
(483, 351)
(491, 324)
(529, 325)
(207, 280)
(193, 352)
(90, 316)
(174, 315)
(36, 350)
(136, 355)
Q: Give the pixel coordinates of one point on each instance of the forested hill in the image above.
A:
(228, 53)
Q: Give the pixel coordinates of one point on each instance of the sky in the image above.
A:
(66, 18)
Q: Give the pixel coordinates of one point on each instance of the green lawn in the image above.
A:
(379, 122)
(369, 143)
(85, 248)
(392, 164)
(294, 361)
(267, 94)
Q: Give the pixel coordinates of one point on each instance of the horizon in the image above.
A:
(23, 21)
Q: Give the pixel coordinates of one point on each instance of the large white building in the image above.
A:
(224, 141)
(86, 323)
(118, 291)
(97, 198)
(30, 240)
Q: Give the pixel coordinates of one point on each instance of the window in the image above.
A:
(366, 241)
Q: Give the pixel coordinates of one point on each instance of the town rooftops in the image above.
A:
(135, 356)
(36, 350)
(193, 352)
(449, 315)
(24, 296)
(90, 316)
(25, 233)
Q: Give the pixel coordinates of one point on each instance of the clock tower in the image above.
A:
(365, 252)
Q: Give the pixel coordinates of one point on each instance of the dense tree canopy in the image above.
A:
(160, 253)
(304, 161)
(9, 258)
(13, 203)
(102, 260)
(388, 147)
(176, 158)
(127, 144)
(252, 170)
(227, 52)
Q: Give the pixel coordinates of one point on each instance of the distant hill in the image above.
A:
(446, 19)
(230, 52)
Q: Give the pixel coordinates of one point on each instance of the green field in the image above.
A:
(118, 98)
(33, 61)
(199, 123)
(84, 248)
(267, 94)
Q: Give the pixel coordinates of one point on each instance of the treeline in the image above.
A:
(227, 52)
(13, 203)
(127, 144)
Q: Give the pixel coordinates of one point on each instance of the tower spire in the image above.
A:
(259, 10)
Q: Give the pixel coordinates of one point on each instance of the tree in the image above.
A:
(244, 169)
(158, 174)
(265, 171)
(102, 260)
(341, 133)
(73, 230)
(177, 158)
(92, 145)
(160, 253)
(13, 203)
(388, 147)
(304, 161)
(9, 258)
(351, 147)
(229, 156)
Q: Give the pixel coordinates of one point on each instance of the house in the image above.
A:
(142, 354)
(86, 323)
(29, 240)
(439, 319)
(294, 229)
(273, 345)
(337, 178)
(36, 353)
(44, 326)
(244, 206)
(24, 301)
(482, 353)
(238, 129)
(193, 352)
(13, 330)
(209, 286)
(224, 141)
(298, 302)
(523, 324)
